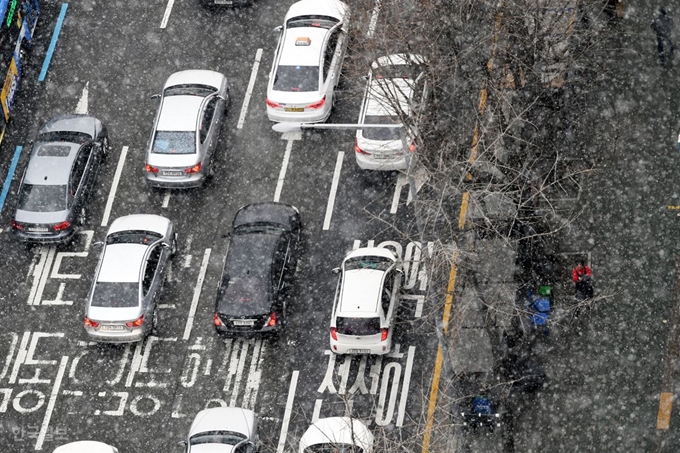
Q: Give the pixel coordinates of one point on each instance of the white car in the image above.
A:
(223, 430)
(397, 88)
(337, 435)
(308, 61)
(366, 302)
(186, 130)
(86, 446)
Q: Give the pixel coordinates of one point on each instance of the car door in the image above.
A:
(279, 263)
(150, 281)
(207, 129)
(78, 180)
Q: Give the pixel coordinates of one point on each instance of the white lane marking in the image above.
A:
(114, 186)
(58, 300)
(51, 403)
(249, 90)
(89, 234)
(401, 182)
(404, 387)
(287, 413)
(334, 189)
(166, 200)
(187, 261)
(10, 355)
(81, 108)
(166, 16)
(239, 372)
(317, 410)
(134, 366)
(284, 168)
(21, 356)
(197, 295)
(374, 19)
(35, 296)
(254, 376)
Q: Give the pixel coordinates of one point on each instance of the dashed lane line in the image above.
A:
(249, 90)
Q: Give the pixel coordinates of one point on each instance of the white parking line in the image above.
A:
(287, 413)
(406, 384)
(166, 16)
(374, 19)
(197, 295)
(51, 403)
(334, 189)
(249, 90)
(114, 186)
(166, 200)
(284, 168)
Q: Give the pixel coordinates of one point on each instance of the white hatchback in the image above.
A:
(308, 60)
(397, 89)
(366, 302)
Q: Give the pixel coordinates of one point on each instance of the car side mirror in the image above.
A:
(183, 443)
(155, 96)
(336, 270)
(278, 29)
(165, 244)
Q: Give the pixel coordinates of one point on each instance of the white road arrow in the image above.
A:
(81, 108)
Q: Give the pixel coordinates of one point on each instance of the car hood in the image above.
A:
(40, 217)
(212, 448)
(118, 314)
(172, 160)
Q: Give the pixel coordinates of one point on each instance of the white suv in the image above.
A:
(308, 61)
(366, 302)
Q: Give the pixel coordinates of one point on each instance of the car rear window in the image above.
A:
(380, 133)
(42, 198)
(317, 21)
(171, 142)
(368, 262)
(297, 78)
(53, 150)
(115, 295)
(357, 326)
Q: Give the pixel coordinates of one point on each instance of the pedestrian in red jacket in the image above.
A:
(581, 270)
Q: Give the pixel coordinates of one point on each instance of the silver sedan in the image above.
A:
(186, 130)
(123, 301)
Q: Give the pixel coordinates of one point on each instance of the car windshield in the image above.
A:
(64, 136)
(381, 133)
(189, 90)
(297, 78)
(115, 294)
(368, 262)
(217, 437)
(42, 198)
(357, 326)
(133, 237)
(312, 21)
(333, 448)
(174, 142)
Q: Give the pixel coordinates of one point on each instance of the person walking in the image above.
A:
(582, 275)
(663, 27)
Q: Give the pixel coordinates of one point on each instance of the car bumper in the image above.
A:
(371, 163)
(127, 336)
(369, 348)
(245, 333)
(60, 237)
(317, 116)
(189, 182)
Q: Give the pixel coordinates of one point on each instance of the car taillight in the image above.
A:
(150, 169)
(383, 337)
(317, 105)
(272, 104)
(334, 333)
(217, 321)
(195, 169)
(271, 322)
(359, 150)
(61, 226)
(412, 147)
(136, 323)
(91, 323)
(16, 225)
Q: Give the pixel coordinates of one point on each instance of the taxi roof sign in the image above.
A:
(303, 41)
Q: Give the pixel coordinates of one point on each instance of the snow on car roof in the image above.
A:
(122, 263)
(383, 94)
(308, 55)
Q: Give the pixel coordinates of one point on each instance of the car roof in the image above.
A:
(332, 8)
(307, 55)
(382, 94)
(50, 170)
(341, 430)
(196, 76)
(122, 263)
(137, 222)
(361, 292)
(224, 419)
(84, 446)
(179, 113)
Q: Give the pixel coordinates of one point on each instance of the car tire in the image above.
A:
(82, 216)
(106, 147)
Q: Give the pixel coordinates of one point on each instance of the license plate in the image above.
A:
(112, 328)
(238, 322)
(173, 173)
(359, 351)
(38, 230)
(294, 109)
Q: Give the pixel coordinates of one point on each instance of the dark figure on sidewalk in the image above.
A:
(663, 27)
(614, 8)
(583, 279)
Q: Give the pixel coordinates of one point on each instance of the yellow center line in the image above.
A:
(663, 418)
(463, 212)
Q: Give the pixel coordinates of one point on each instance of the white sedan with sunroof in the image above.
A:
(186, 130)
(308, 61)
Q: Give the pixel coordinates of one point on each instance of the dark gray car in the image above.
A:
(60, 177)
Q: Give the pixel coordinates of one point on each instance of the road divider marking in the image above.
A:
(166, 200)
(51, 403)
(197, 295)
(114, 186)
(284, 169)
(82, 106)
(288, 411)
(53, 43)
(166, 15)
(249, 90)
(334, 190)
(10, 176)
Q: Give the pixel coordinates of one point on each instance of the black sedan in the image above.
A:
(59, 179)
(260, 260)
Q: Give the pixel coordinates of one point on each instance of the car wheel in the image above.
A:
(106, 147)
(82, 216)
